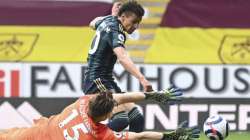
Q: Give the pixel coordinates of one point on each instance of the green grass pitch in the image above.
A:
(233, 136)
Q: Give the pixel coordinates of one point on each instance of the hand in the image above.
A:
(187, 133)
(146, 85)
(148, 88)
(183, 132)
(168, 96)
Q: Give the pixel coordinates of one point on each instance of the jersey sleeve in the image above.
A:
(117, 39)
(98, 23)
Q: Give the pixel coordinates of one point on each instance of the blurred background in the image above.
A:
(201, 46)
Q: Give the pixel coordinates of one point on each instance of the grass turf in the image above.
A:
(233, 136)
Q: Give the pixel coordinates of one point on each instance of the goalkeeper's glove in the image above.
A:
(183, 132)
(168, 96)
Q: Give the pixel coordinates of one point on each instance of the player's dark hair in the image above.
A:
(132, 6)
(102, 104)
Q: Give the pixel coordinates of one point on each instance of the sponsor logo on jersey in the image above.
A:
(121, 39)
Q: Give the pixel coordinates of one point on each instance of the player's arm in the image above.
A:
(129, 65)
(95, 22)
(145, 136)
(92, 24)
(168, 96)
(181, 133)
(129, 97)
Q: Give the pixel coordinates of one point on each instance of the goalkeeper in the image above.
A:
(81, 120)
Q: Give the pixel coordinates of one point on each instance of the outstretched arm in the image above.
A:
(145, 136)
(183, 132)
(129, 97)
(168, 96)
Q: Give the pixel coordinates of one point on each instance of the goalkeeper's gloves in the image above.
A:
(183, 132)
(168, 96)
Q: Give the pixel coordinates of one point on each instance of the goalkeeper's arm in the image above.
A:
(168, 96)
(187, 133)
(129, 97)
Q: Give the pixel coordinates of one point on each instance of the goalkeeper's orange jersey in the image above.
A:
(72, 123)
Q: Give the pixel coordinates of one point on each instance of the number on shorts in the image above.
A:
(96, 43)
(76, 128)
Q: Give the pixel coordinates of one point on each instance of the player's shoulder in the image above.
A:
(108, 17)
(114, 24)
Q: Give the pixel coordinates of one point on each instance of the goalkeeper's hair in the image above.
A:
(132, 6)
(101, 104)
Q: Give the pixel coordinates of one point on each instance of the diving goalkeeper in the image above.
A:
(81, 120)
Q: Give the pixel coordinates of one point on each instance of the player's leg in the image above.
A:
(3, 131)
(136, 119)
(3, 134)
(17, 134)
(119, 120)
